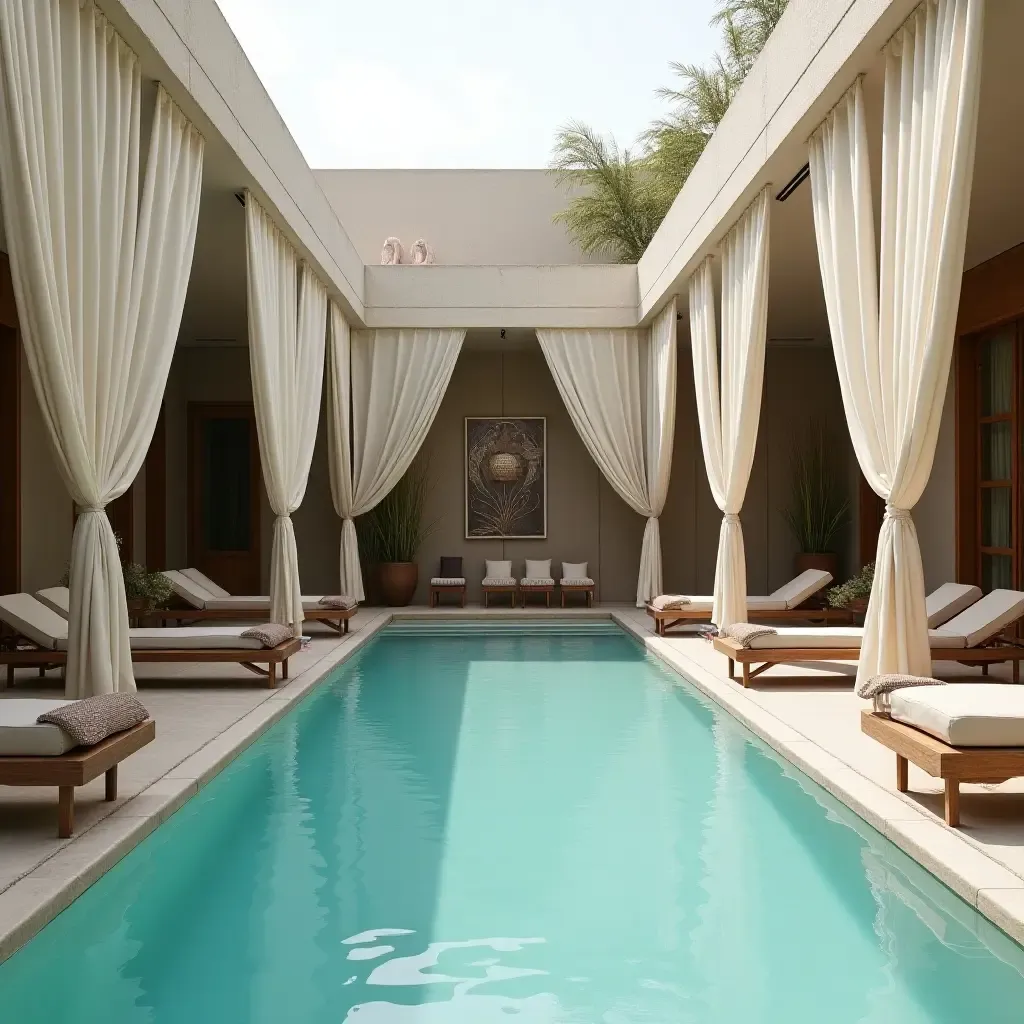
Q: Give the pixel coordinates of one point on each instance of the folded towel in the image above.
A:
(392, 254)
(343, 601)
(95, 718)
(421, 252)
(878, 688)
(744, 632)
(669, 602)
(270, 634)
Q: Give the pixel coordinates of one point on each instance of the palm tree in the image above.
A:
(615, 211)
(623, 197)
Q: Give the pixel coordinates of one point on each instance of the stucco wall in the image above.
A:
(470, 217)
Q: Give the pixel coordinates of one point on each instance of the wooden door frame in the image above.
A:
(197, 412)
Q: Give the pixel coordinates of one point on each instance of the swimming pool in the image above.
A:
(482, 826)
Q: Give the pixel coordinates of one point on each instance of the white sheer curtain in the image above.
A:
(99, 273)
(385, 389)
(893, 333)
(728, 422)
(620, 389)
(287, 336)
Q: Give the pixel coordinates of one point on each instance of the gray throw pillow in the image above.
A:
(93, 719)
(451, 567)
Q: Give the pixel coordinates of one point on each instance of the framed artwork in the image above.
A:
(506, 477)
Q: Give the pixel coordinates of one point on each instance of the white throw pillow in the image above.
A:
(499, 570)
(574, 571)
(538, 569)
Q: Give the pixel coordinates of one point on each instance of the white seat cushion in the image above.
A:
(800, 588)
(192, 638)
(498, 581)
(948, 600)
(837, 637)
(576, 581)
(57, 598)
(574, 571)
(206, 583)
(32, 619)
(22, 736)
(497, 570)
(448, 581)
(538, 568)
(536, 581)
(964, 714)
(187, 589)
(985, 618)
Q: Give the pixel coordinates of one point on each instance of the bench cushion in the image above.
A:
(964, 714)
(22, 736)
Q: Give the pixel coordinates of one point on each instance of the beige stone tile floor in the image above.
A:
(205, 714)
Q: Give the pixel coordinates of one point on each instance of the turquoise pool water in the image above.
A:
(495, 827)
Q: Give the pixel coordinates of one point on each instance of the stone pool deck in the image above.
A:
(207, 713)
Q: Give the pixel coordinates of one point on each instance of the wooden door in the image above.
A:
(224, 494)
(10, 461)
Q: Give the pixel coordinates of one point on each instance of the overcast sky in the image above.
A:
(463, 83)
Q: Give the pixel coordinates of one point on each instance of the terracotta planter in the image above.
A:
(828, 561)
(397, 582)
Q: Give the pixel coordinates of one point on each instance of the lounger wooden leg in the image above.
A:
(1015, 671)
(65, 811)
(271, 675)
(952, 802)
(345, 627)
(110, 784)
(984, 669)
(901, 774)
(746, 675)
(547, 598)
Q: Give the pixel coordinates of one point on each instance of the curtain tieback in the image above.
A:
(899, 515)
(83, 509)
(730, 517)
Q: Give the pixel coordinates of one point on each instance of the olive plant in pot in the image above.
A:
(390, 535)
(854, 593)
(818, 509)
(143, 590)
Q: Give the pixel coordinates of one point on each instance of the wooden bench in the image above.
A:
(76, 768)
(586, 589)
(437, 590)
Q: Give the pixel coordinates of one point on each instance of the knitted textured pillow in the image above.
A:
(670, 602)
(338, 602)
(887, 682)
(744, 632)
(95, 718)
(270, 634)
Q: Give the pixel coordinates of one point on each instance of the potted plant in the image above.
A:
(854, 593)
(144, 590)
(390, 535)
(818, 509)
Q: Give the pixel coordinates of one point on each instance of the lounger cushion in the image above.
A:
(187, 589)
(838, 638)
(574, 571)
(964, 714)
(191, 638)
(57, 598)
(206, 583)
(32, 619)
(497, 570)
(507, 582)
(89, 721)
(948, 600)
(22, 736)
(800, 588)
(984, 619)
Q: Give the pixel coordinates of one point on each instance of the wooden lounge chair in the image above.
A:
(449, 581)
(789, 602)
(38, 637)
(962, 732)
(54, 764)
(199, 598)
(498, 579)
(979, 635)
(538, 580)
